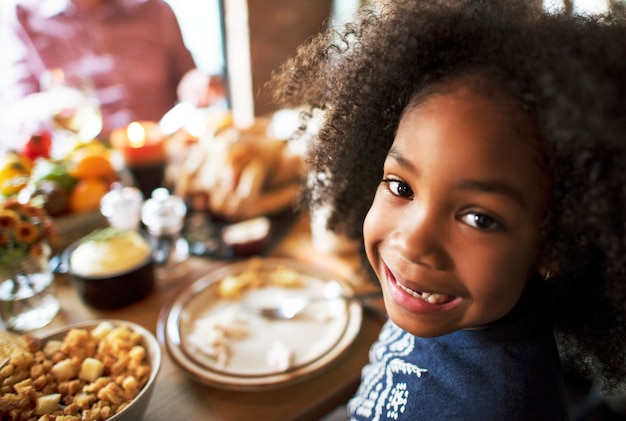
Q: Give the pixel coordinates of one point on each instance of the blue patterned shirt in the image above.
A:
(509, 371)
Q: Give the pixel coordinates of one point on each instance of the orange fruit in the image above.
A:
(92, 166)
(82, 150)
(87, 194)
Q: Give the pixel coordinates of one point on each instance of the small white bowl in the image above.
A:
(136, 409)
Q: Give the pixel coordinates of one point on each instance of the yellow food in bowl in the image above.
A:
(109, 252)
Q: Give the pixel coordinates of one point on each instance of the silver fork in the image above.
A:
(292, 306)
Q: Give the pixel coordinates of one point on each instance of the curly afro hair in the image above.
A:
(566, 72)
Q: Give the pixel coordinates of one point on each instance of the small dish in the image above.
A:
(110, 291)
(209, 236)
(247, 238)
(314, 342)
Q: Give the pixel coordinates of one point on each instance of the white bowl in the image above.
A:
(137, 407)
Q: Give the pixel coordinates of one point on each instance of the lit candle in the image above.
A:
(141, 143)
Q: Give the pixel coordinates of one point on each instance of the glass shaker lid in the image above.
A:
(122, 207)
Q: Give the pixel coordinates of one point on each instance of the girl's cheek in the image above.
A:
(374, 225)
(368, 235)
(367, 227)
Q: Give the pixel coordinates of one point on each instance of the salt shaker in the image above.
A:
(122, 207)
(164, 215)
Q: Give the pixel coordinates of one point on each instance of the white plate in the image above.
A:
(316, 338)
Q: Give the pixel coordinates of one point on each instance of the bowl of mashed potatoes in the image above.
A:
(111, 267)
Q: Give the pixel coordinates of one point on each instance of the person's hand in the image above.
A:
(200, 89)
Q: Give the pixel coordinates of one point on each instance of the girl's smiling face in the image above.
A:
(454, 229)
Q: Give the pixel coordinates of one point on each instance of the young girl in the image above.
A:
(478, 148)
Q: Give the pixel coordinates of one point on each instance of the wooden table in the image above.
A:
(177, 396)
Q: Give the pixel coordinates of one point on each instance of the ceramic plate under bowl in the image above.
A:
(314, 340)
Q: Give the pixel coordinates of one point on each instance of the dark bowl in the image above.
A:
(111, 291)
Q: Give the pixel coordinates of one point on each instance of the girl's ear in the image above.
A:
(548, 270)
(545, 272)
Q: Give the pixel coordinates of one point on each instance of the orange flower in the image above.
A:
(24, 229)
(26, 233)
(12, 204)
(30, 211)
(8, 219)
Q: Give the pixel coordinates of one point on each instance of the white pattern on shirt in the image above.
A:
(379, 393)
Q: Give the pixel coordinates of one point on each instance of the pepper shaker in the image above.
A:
(164, 215)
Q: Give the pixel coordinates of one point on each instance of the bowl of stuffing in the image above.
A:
(93, 370)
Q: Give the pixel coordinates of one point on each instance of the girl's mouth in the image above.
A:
(431, 298)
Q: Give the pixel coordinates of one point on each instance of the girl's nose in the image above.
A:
(420, 236)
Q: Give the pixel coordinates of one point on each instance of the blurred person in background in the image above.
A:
(129, 54)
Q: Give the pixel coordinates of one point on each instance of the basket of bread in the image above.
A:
(238, 174)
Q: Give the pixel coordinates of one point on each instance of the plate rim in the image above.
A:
(170, 338)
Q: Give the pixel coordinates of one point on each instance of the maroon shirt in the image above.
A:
(130, 51)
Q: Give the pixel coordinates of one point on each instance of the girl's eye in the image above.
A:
(480, 221)
(399, 188)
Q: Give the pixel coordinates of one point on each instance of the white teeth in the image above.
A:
(426, 296)
(437, 298)
(409, 290)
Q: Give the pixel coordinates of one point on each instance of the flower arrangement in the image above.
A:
(26, 282)
(25, 231)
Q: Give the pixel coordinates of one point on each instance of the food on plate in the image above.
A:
(279, 356)
(109, 251)
(88, 375)
(213, 335)
(247, 237)
(284, 277)
(238, 174)
(232, 286)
